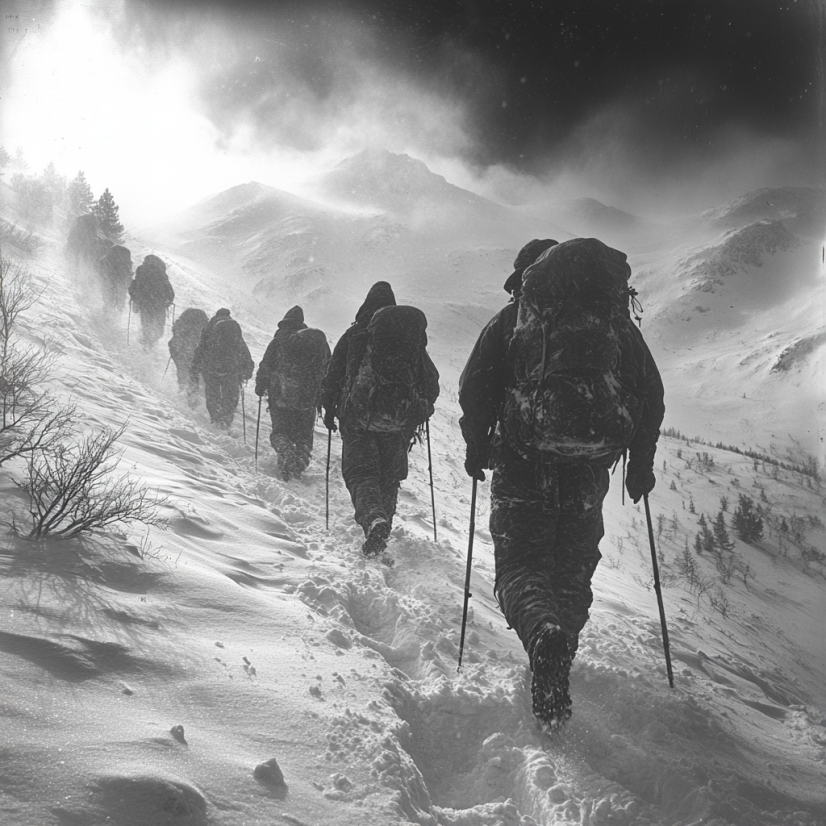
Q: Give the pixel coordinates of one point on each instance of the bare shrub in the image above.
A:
(73, 491)
(29, 418)
(25, 240)
(17, 294)
(719, 601)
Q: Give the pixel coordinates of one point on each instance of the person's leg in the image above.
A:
(523, 526)
(230, 391)
(212, 395)
(361, 469)
(301, 431)
(579, 531)
(393, 464)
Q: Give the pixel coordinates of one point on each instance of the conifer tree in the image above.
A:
(746, 522)
(708, 541)
(106, 211)
(54, 182)
(79, 196)
(20, 161)
(5, 158)
(721, 536)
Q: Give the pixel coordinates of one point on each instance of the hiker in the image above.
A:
(86, 244)
(224, 360)
(115, 270)
(151, 295)
(381, 386)
(290, 375)
(186, 334)
(559, 384)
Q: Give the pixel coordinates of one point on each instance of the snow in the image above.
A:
(171, 676)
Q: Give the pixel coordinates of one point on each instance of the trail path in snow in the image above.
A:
(265, 634)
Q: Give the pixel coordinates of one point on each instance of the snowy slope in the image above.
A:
(267, 636)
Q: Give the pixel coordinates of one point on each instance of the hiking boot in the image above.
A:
(377, 535)
(551, 664)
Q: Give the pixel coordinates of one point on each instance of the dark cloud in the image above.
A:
(532, 79)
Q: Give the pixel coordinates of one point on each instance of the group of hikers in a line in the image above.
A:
(559, 387)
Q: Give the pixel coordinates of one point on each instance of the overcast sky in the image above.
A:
(699, 98)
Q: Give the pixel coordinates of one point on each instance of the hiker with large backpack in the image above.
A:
(381, 386)
(151, 295)
(115, 270)
(186, 335)
(223, 359)
(559, 385)
(290, 375)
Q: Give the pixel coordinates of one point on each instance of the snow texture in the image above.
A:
(248, 666)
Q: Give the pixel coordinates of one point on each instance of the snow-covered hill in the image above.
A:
(267, 637)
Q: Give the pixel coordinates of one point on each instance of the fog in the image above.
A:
(167, 103)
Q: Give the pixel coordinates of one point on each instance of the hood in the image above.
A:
(222, 313)
(378, 296)
(526, 256)
(293, 319)
(154, 261)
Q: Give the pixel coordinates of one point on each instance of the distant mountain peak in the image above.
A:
(386, 162)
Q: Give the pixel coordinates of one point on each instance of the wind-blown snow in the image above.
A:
(266, 636)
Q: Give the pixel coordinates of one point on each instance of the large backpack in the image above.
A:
(186, 332)
(388, 392)
(296, 381)
(224, 346)
(568, 400)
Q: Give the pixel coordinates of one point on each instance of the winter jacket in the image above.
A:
(116, 266)
(222, 351)
(488, 374)
(150, 288)
(294, 364)
(186, 334)
(292, 322)
(348, 352)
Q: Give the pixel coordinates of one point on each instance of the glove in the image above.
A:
(474, 465)
(330, 420)
(260, 390)
(639, 482)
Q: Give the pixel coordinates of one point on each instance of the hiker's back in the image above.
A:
(302, 362)
(572, 396)
(186, 332)
(395, 383)
(151, 287)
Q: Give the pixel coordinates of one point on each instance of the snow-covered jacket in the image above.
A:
(349, 350)
(488, 373)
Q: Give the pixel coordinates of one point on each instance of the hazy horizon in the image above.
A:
(165, 104)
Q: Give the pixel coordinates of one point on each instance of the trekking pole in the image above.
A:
(167, 366)
(659, 593)
(430, 471)
(129, 321)
(243, 416)
(468, 595)
(327, 486)
(257, 427)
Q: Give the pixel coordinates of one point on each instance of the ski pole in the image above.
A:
(167, 366)
(257, 427)
(243, 416)
(658, 589)
(468, 595)
(129, 321)
(327, 486)
(430, 471)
